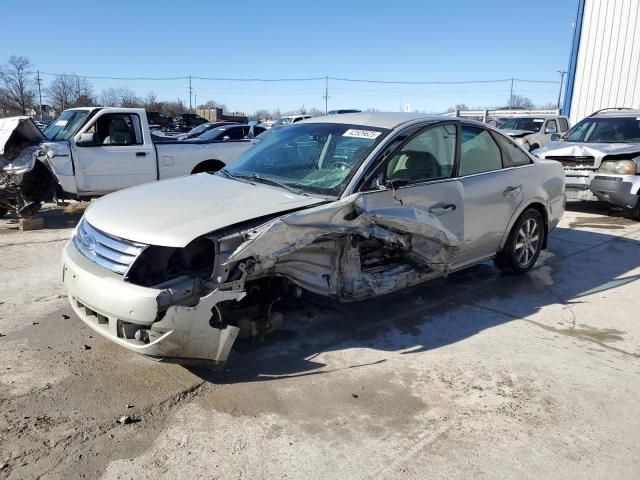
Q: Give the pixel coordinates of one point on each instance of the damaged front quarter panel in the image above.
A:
(349, 249)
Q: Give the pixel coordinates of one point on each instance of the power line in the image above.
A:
(306, 79)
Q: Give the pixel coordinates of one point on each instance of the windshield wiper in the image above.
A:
(228, 174)
(275, 183)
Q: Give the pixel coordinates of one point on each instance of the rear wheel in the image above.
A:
(524, 244)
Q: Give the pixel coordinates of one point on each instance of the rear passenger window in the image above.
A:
(564, 125)
(514, 156)
(479, 153)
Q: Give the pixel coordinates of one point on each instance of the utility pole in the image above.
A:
(78, 89)
(38, 81)
(195, 101)
(562, 74)
(190, 90)
(511, 94)
(326, 95)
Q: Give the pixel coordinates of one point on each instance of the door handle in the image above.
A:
(141, 154)
(443, 209)
(512, 190)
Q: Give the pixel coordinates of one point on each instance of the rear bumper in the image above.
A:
(616, 189)
(116, 310)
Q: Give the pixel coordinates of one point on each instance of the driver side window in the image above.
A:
(430, 155)
(116, 129)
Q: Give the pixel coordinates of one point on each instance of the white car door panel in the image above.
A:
(118, 158)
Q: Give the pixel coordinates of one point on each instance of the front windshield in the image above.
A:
(213, 134)
(199, 129)
(606, 130)
(529, 124)
(282, 121)
(65, 125)
(315, 158)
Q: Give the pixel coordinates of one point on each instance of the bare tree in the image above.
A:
(109, 98)
(151, 101)
(211, 104)
(128, 98)
(70, 91)
(16, 84)
(520, 101)
(61, 92)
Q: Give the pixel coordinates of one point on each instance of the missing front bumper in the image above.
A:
(186, 333)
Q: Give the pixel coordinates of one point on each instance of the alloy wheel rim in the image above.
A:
(527, 242)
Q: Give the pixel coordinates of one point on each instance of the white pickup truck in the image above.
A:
(97, 150)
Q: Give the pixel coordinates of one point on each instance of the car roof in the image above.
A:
(377, 119)
(536, 116)
(617, 113)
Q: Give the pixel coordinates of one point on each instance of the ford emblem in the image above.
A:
(89, 243)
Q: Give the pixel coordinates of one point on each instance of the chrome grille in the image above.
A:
(112, 253)
(582, 161)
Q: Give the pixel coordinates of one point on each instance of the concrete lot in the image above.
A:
(477, 375)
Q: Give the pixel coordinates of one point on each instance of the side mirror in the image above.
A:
(226, 138)
(555, 137)
(88, 139)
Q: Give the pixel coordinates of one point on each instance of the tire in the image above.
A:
(524, 244)
(3, 212)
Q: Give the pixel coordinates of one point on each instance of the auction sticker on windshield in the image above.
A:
(352, 132)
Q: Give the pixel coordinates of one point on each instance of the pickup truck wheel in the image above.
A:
(524, 244)
(3, 212)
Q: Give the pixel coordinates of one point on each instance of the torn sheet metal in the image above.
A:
(416, 231)
(19, 139)
(24, 181)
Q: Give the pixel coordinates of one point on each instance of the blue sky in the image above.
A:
(401, 40)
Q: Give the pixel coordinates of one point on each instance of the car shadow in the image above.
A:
(435, 314)
(54, 217)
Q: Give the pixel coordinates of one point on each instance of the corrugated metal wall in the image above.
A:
(608, 58)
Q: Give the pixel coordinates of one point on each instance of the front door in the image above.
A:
(419, 175)
(116, 158)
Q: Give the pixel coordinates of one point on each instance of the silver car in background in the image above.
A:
(347, 206)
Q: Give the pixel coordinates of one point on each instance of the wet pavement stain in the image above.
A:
(604, 223)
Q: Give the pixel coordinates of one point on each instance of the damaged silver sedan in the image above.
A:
(350, 206)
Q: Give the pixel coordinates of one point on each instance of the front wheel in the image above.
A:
(524, 244)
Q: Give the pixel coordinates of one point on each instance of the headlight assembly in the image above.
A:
(618, 167)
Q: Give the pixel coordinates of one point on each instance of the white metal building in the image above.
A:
(604, 67)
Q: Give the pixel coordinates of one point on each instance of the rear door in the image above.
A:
(118, 157)
(492, 172)
(420, 174)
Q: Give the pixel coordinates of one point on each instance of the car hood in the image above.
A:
(517, 133)
(174, 212)
(596, 150)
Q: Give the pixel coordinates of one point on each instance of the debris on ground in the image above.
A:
(87, 347)
(65, 316)
(3, 466)
(127, 419)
